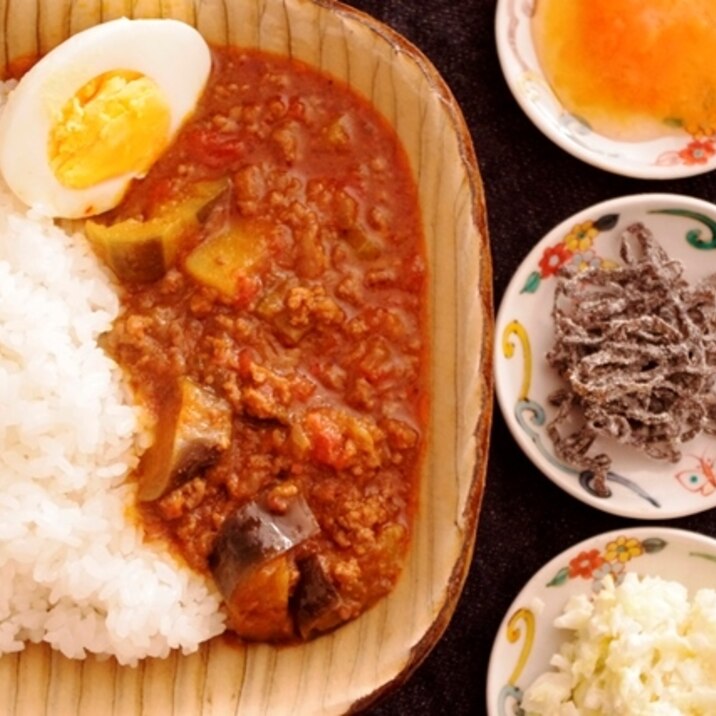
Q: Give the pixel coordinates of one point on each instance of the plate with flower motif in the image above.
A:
(527, 637)
(675, 153)
(636, 485)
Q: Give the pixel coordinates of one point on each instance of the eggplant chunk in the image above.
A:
(259, 605)
(254, 569)
(193, 429)
(141, 251)
(318, 604)
(253, 535)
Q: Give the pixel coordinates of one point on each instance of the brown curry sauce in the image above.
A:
(312, 334)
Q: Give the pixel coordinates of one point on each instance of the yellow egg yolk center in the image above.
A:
(631, 68)
(116, 123)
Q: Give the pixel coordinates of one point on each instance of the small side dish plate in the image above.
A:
(668, 157)
(527, 638)
(639, 487)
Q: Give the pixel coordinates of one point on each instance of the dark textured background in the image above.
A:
(530, 186)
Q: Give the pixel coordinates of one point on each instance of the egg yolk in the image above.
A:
(633, 69)
(116, 123)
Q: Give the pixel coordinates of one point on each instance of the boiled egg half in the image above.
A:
(97, 111)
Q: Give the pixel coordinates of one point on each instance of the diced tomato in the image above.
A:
(246, 360)
(212, 147)
(326, 441)
(247, 288)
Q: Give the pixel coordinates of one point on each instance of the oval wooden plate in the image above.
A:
(348, 669)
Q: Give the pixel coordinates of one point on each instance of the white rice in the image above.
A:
(74, 571)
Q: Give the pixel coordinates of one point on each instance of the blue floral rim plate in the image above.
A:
(637, 486)
(675, 155)
(527, 637)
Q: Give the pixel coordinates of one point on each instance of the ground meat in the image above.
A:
(314, 338)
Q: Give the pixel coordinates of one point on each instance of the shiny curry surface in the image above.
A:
(274, 324)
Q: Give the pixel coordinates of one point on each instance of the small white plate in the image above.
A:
(639, 486)
(527, 637)
(676, 155)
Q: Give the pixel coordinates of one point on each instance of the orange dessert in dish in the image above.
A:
(632, 69)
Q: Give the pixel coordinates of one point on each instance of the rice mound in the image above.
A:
(74, 570)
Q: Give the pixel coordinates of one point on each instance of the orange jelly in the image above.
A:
(632, 69)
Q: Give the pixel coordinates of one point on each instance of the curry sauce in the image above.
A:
(275, 330)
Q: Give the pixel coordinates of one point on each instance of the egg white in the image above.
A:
(171, 53)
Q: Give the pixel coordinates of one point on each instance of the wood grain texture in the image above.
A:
(348, 669)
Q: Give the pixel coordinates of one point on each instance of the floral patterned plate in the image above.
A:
(638, 486)
(527, 638)
(677, 155)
